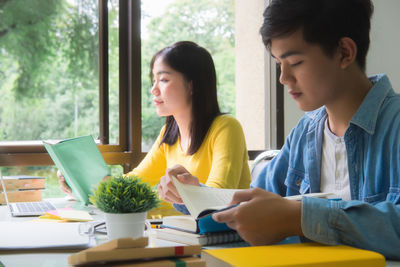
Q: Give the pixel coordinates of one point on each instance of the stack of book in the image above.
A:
(135, 252)
(207, 239)
(199, 228)
(22, 188)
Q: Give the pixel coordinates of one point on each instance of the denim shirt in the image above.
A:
(371, 219)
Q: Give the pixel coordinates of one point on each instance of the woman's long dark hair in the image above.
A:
(196, 65)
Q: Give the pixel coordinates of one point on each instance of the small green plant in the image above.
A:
(124, 194)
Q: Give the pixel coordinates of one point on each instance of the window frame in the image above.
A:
(128, 152)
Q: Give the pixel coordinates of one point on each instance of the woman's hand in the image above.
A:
(63, 185)
(166, 188)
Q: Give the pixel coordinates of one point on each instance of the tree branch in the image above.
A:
(5, 31)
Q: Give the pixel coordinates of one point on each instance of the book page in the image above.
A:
(198, 198)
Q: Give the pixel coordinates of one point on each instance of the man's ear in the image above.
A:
(348, 51)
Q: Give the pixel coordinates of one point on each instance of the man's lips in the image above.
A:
(294, 94)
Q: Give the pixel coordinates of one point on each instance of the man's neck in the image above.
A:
(340, 111)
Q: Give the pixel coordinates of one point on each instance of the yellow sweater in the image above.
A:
(221, 161)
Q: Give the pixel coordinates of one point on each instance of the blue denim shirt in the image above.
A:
(371, 219)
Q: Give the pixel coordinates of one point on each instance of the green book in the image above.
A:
(81, 163)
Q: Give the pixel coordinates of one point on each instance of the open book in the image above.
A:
(81, 163)
(201, 202)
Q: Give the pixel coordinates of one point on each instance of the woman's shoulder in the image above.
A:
(225, 121)
(160, 135)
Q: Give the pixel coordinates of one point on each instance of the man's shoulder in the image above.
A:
(312, 118)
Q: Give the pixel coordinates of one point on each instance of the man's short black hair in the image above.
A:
(324, 22)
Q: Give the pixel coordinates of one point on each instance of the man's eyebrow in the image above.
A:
(288, 54)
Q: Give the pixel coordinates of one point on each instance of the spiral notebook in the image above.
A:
(208, 239)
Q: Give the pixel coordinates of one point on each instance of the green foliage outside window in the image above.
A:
(210, 23)
(49, 67)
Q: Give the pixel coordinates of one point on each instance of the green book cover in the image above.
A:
(81, 163)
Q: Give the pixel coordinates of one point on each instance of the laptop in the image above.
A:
(19, 209)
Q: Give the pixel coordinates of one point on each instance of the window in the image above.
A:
(50, 81)
(209, 23)
(80, 67)
(60, 78)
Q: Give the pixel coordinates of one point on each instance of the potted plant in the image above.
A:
(125, 201)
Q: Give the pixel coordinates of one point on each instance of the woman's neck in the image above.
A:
(184, 123)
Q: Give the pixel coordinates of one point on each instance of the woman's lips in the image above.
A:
(157, 102)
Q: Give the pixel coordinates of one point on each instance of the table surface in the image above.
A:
(48, 258)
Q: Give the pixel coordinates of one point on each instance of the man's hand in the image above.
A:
(166, 188)
(264, 217)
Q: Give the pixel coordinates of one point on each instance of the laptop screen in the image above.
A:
(25, 208)
(3, 186)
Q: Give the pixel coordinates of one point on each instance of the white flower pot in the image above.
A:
(121, 225)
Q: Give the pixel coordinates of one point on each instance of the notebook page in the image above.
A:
(30, 235)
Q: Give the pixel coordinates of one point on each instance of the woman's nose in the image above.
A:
(154, 90)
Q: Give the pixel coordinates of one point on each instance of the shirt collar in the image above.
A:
(367, 114)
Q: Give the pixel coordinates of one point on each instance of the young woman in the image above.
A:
(196, 135)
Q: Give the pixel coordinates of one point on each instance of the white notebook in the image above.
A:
(36, 235)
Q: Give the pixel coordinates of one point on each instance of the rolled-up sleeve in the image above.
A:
(354, 223)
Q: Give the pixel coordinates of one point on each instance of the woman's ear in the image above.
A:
(191, 87)
(348, 51)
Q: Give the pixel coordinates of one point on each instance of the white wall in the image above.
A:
(384, 52)
(383, 55)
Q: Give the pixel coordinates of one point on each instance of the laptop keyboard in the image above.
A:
(35, 206)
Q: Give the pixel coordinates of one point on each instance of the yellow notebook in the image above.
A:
(304, 254)
(67, 215)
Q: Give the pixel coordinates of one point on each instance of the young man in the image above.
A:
(348, 143)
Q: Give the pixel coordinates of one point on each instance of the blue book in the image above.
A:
(203, 224)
